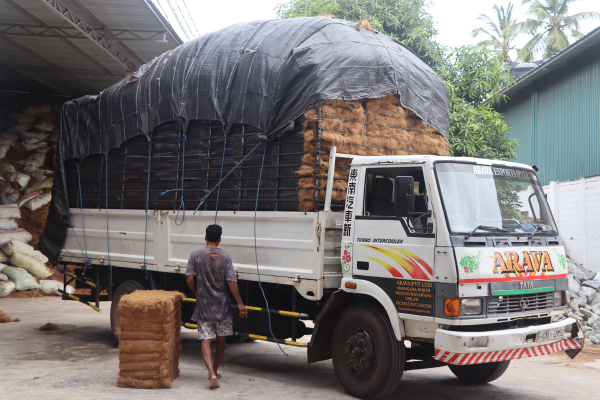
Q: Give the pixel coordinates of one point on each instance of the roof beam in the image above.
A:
(64, 40)
(42, 58)
(106, 30)
(63, 32)
(14, 72)
(61, 10)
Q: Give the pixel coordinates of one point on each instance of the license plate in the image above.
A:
(550, 334)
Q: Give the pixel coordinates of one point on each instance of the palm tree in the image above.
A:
(549, 26)
(502, 31)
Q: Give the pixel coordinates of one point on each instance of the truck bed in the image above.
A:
(294, 248)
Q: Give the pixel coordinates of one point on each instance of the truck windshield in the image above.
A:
(493, 196)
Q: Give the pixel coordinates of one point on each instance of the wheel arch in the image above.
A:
(319, 348)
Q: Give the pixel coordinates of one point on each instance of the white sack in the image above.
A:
(46, 183)
(39, 174)
(7, 224)
(22, 278)
(32, 265)
(3, 277)
(19, 234)
(51, 287)
(9, 196)
(44, 126)
(3, 150)
(35, 160)
(38, 201)
(15, 246)
(10, 211)
(21, 179)
(7, 288)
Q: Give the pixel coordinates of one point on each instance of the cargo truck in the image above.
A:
(434, 261)
(365, 236)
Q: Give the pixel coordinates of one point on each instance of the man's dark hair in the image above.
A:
(213, 232)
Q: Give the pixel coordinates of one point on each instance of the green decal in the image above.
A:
(470, 263)
(562, 260)
(347, 258)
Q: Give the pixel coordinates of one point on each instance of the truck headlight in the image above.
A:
(559, 299)
(471, 306)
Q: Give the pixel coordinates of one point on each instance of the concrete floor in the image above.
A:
(80, 361)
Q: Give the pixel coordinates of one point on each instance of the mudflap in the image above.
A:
(319, 348)
(579, 336)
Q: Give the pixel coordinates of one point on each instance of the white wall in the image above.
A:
(576, 209)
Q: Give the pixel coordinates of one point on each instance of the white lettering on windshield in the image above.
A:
(495, 171)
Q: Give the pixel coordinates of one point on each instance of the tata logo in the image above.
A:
(531, 262)
(524, 303)
(526, 285)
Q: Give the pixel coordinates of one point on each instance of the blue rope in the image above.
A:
(147, 200)
(87, 260)
(181, 204)
(229, 173)
(256, 251)
(107, 238)
(220, 177)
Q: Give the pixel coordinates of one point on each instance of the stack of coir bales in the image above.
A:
(150, 340)
(28, 137)
(372, 127)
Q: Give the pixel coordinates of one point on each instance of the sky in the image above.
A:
(455, 19)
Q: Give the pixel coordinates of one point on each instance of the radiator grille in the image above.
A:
(512, 304)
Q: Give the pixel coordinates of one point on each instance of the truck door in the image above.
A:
(390, 251)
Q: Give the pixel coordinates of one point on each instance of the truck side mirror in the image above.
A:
(404, 199)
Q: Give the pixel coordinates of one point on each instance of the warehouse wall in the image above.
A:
(576, 210)
(557, 120)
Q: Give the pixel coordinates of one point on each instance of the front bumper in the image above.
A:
(463, 348)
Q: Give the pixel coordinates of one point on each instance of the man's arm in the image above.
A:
(233, 287)
(191, 282)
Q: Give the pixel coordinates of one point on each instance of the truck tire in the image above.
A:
(367, 358)
(479, 373)
(126, 287)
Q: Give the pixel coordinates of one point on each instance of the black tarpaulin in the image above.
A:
(262, 74)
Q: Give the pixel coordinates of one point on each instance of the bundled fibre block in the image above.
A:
(150, 339)
(372, 127)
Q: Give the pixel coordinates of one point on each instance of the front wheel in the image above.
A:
(124, 288)
(367, 358)
(479, 373)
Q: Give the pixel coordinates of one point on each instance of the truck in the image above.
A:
(434, 261)
(354, 228)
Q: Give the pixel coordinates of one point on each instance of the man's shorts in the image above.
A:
(210, 330)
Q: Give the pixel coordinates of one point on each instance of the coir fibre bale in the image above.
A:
(4, 317)
(150, 339)
(373, 127)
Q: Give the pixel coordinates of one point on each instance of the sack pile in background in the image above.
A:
(28, 139)
(584, 299)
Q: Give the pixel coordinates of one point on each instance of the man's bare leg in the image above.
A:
(207, 355)
(219, 353)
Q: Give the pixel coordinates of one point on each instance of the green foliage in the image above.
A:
(406, 21)
(508, 192)
(473, 74)
(550, 26)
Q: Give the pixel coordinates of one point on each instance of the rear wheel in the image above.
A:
(124, 288)
(479, 373)
(367, 358)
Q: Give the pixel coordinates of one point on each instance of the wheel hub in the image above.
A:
(359, 351)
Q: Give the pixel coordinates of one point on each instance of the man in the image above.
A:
(211, 277)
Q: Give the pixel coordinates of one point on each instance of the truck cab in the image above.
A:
(462, 256)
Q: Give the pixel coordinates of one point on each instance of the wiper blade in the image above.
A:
(484, 227)
(534, 232)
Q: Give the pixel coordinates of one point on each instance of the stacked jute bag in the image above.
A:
(28, 138)
(150, 339)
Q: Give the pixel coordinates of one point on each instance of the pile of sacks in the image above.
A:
(28, 140)
(584, 299)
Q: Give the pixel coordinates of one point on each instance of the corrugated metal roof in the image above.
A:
(562, 59)
(42, 52)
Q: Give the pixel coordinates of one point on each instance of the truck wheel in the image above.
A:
(367, 358)
(126, 287)
(479, 373)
